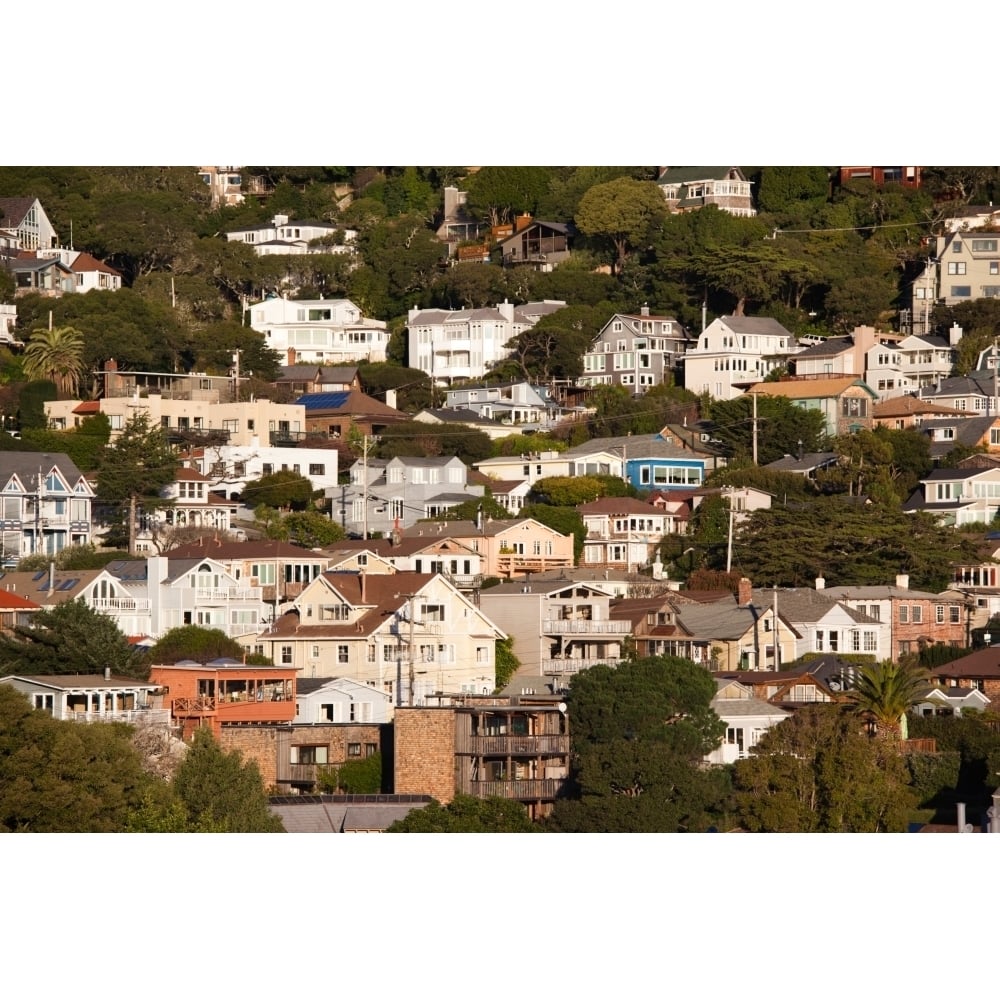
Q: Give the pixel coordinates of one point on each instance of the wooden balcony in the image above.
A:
(524, 790)
(542, 745)
(575, 665)
(560, 626)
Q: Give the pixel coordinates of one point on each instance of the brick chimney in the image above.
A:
(745, 595)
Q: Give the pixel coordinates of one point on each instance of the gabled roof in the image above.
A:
(73, 682)
(755, 325)
(351, 403)
(215, 548)
(905, 406)
(319, 373)
(619, 505)
(86, 262)
(690, 175)
(13, 211)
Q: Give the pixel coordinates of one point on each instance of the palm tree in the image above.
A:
(57, 356)
(884, 692)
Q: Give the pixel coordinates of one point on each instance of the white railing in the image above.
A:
(585, 626)
(135, 717)
(121, 604)
(228, 593)
(573, 666)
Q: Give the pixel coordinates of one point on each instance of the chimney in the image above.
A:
(903, 581)
(745, 595)
(390, 398)
(107, 673)
(954, 335)
(291, 355)
(644, 311)
(820, 583)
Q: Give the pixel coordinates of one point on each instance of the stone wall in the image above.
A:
(424, 758)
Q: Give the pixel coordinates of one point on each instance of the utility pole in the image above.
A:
(754, 427)
(729, 546)
(364, 488)
(412, 669)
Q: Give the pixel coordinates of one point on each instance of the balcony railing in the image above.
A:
(121, 604)
(573, 666)
(532, 746)
(135, 717)
(228, 593)
(523, 790)
(585, 626)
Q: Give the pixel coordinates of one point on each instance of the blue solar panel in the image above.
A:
(323, 400)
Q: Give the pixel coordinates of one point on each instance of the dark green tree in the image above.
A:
(781, 425)
(220, 792)
(565, 520)
(308, 528)
(625, 212)
(507, 664)
(283, 488)
(465, 814)
(69, 639)
(133, 475)
(192, 642)
(66, 777)
(639, 733)
(816, 772)
(500, 193)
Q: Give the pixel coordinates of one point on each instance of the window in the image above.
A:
(267, 469)
(904, 614)
(317, 470)
(954, 614)
(984, 246)
(995, 267)
(961, 291)
(353, 749)
(371, 749)
(916, 614)
(871, 642)
(286, 655)
(956, 267)
(956, 247)
(343, 654)
(434, 612)
(309, 755)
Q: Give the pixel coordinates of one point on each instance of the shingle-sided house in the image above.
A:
(622, 532)
(635, 351)
(92, 697)
(688, 188)
(845, 401)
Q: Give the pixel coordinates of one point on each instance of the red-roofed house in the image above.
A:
(94, 274)
(14, 609)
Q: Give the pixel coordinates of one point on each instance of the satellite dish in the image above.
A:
(561, 706)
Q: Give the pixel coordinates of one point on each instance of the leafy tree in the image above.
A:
(220, 793)
(56, 355)
(884, 693)
(72, 557)
(975, 740)
(308, 528)
(283, 488)
(781, 425)
(69, 639)
(31, 404)
(353, 777)
(466, 814)
(507, 664)
(847, 543)
(414, 388)
(816, 772)
(638, 735)
(214, 345)
(192, 642)
(134, 472)
(64, 777)
(623, 211)
(413, 438)
(500, 193)
(788, 190)
(567, 491)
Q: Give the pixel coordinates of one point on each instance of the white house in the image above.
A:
(319, 331)
(734, 352)
(229, 468)
(293, 236)
(747, 719)
(463, 344)
(91, 697)
(319, 701)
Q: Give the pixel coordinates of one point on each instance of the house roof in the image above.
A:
(904, 406)
(86, 262)
(688, 175)
(215, 548)
(619, 505)
(353, 403)
(26, 465)
(13, 210)
(831, 347)
(343, 813)
(811, 388)
(320, 373)
(756, 325)
(72, 682)
(67, 585)
(9, 601)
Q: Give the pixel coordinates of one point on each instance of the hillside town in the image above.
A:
(510, 499)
